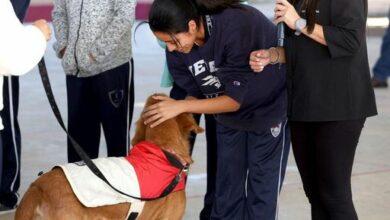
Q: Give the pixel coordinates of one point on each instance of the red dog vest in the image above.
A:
(153, 169)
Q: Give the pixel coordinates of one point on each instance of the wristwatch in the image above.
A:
(300, 24)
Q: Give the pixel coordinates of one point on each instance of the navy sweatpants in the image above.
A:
(250, 172)
(11, 143)
(10, 136)
(105, 100)
(211, 139)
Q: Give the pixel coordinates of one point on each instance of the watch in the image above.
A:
(300, 24)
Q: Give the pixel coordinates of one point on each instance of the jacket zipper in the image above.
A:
(77, 39)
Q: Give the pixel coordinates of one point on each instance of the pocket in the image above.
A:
(68, 61)
(86, 63)
(68, 58)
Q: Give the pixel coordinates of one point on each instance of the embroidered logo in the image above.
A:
(275, 131)
(236, 83)
(80, 163)
(116, 97)
(211, 80)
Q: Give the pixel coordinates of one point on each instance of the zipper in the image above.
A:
(77, 39)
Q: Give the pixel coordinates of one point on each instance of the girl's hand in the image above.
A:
(166, 109)
(285, 12)
(259, 59)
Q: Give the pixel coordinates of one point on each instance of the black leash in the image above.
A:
(95, 170)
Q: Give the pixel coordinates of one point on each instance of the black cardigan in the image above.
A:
(331, 83)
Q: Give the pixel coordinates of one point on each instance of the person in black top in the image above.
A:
(208, 47)
(329, 93)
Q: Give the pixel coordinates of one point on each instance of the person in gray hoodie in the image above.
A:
(94, 43)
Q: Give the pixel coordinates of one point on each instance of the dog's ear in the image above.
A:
(187, 124)
(140, 132)
(151, 101)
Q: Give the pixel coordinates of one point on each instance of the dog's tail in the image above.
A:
(29, 207)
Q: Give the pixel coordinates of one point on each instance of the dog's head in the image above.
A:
(171, 134)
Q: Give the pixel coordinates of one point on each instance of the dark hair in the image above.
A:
(172, 16)
(310, 6)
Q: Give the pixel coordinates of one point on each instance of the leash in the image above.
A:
(87, 160)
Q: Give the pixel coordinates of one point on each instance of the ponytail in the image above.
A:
(172, 16)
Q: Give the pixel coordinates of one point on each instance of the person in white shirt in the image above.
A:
(21, 48)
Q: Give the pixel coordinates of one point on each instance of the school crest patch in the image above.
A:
(116, 97)
(275, 131)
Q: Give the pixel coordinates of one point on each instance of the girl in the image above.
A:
(208, 46)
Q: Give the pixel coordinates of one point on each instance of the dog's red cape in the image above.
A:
(153, 169)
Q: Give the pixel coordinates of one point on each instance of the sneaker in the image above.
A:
(378, 83)
(5, 209)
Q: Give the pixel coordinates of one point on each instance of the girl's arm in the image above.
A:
(169, 108)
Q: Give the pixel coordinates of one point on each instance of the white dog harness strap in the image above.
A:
(135, 210)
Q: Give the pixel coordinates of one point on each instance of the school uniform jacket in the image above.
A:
(221, 67)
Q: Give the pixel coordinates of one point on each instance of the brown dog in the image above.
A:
(51, 196)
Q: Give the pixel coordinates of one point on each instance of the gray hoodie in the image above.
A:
(90, 28)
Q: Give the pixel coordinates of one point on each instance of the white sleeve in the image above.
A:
(21, 47)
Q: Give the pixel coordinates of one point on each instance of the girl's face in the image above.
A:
(180, 42)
